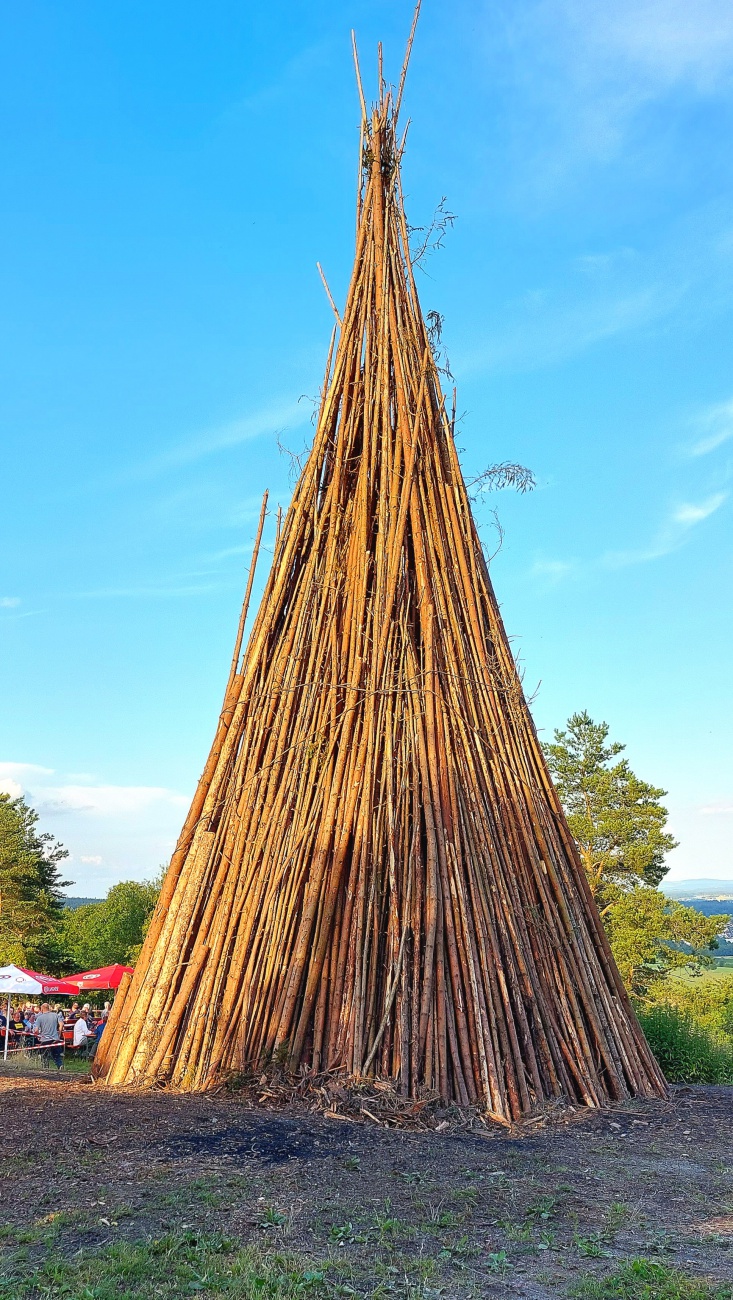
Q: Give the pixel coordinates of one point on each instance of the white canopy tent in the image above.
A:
(13, 979)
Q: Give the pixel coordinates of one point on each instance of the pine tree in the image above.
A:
(31, 898)
(616, 818)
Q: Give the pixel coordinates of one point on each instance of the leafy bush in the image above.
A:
(708, 999)
(686, 1052)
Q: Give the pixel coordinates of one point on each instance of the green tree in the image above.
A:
(100, 934)
(31, 898)
(618, 824)
(617, 819)
(652, 935)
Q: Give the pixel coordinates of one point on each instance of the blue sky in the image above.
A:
(170, 176)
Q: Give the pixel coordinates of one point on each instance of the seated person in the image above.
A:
(99, 1030)
(82, 1032)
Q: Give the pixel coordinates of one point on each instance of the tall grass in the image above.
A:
(686, 1051)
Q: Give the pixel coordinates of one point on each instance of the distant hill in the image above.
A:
(709, 906)
(688, 889)
(73, 903)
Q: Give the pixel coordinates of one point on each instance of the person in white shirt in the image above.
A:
(81, 1031)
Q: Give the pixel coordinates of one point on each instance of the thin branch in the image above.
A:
(328, 291)
(358, 77)
(248, 592)
(406, 61)
(433, 235)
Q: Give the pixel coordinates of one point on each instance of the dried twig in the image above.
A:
(498, 477)
(433, 235)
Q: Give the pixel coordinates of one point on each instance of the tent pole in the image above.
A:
(7, 1029)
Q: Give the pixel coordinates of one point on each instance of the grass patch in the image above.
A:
(171, 1266)
(719, 971)
(32, 1062)
(641, 1279)
(686, 1052)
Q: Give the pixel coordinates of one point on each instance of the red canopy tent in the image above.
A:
(105, 977)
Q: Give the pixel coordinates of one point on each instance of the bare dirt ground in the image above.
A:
(380, 1211)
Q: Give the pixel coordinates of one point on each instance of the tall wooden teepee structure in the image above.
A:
(375, 875)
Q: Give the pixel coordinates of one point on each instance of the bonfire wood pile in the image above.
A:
(375, 877)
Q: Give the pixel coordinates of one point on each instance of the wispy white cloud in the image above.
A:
(105, 800)
(145, 591)
(14, 777)
(302, 67)
(9, 602)
(86, 797)
(584, 71)
(112, 832)
(25, 770)
(552, 571)
(724, 809)
(267, 420)
(280, 416)
(270, 419)
(688, 514)
(229, 551)
(668, 41)
(671, 534)
(714, 427)
(687, 275)
(546, 326)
